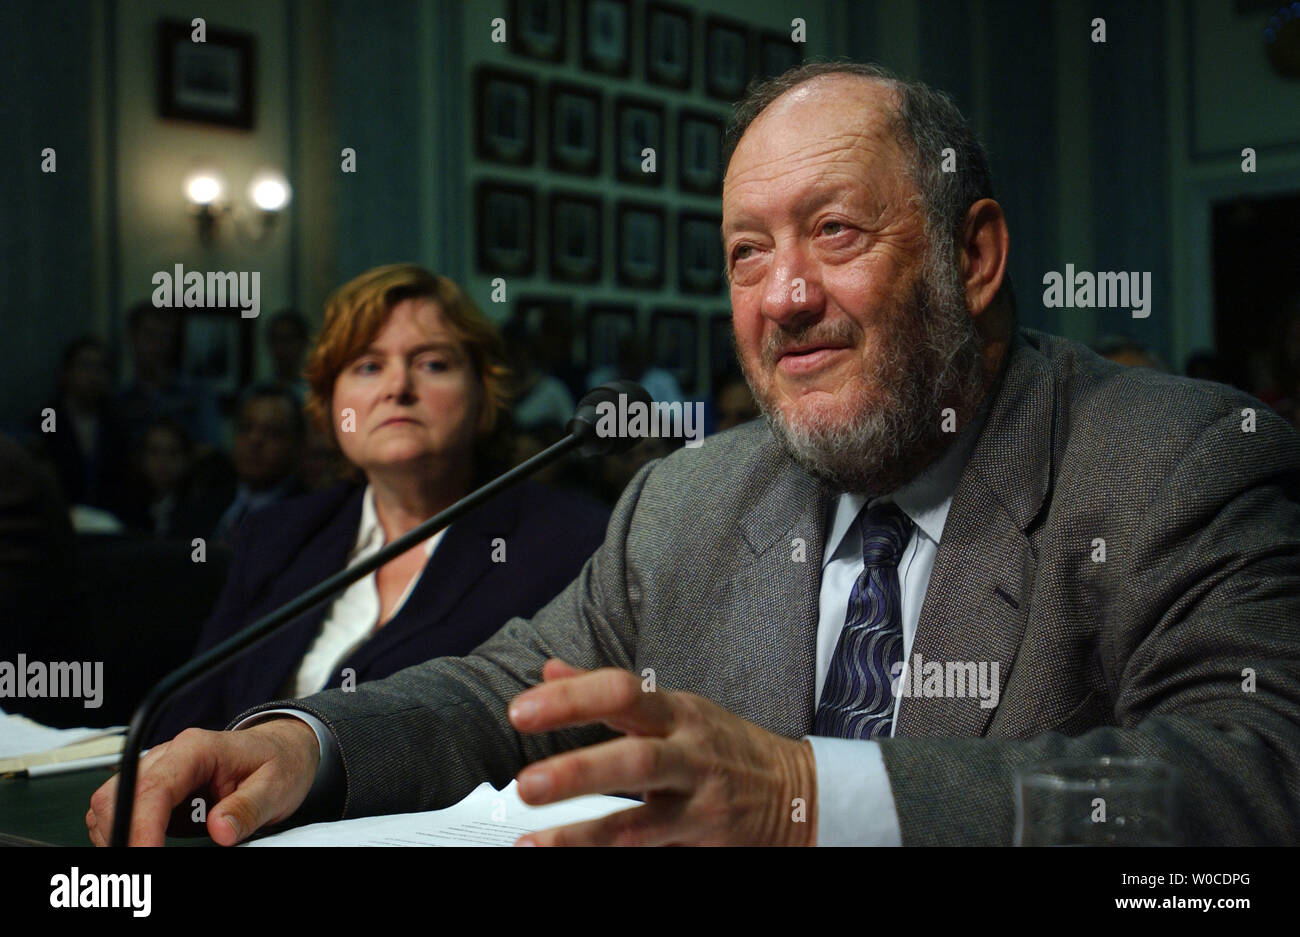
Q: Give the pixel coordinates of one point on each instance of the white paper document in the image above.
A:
(487, 817)
(21, 736)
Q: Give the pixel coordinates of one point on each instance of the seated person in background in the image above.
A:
(85, 442)
(407, 379)
(269, 441)
(287, 340)
(733, 401)
(1129, 352)
(159, 390)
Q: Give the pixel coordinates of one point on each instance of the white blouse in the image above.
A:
(353, 615)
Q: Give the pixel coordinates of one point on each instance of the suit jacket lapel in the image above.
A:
(978, 598)
(462, 558)
(320, 556)
(775, 595)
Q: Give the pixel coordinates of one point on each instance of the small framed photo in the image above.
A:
(726, 58)
(210, 81)
(674, 345)
(641, 238)
(638, 126)
(699, 153)
(668, 45)
(575, 238)
(699, 264)
(506, 228)
(537, 29)
(777, 53)
(575, 129)
(606, 28)
(608, 326)
(505, 116)
(218, 349)
(544, 314)
(722, 344)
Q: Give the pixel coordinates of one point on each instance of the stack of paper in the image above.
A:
(487, 817)
(24, 743)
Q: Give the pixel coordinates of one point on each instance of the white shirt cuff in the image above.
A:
(855, 804)
(329, 778)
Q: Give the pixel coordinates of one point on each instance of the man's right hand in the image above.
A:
(254, 777)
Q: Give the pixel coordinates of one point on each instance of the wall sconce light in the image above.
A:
(269, 194)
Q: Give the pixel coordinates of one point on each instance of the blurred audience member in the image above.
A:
(540, 398)
(269, 438)
(158, 390)
(408, 379)
(162, 459)
(634, 365)
(322, 465)
(1129, 352)
(87, 446)
(733, 401)
(287, 338)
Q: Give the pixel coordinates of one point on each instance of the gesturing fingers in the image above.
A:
(611, 696)
(618, 766)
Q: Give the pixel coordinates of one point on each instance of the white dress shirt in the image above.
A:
(352, 616)
(855, 804)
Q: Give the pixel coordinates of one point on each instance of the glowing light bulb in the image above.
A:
(269, 191)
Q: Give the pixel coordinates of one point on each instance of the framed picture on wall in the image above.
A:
(699, 153)
(505, 228)
(699, 259)
(640, 235)
(575, 238)
(536, 29)
(608, 324)
(209, 81)
(218, 349)
(777, 53)
(722, 348)
(638, 126)
(505, 104)
(726, 58)
(606, 28)
(575, 129)
(668, 45)
(674, 344)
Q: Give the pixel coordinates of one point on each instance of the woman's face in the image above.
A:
(413, 394)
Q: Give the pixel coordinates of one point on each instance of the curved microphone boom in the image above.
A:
(586, 434)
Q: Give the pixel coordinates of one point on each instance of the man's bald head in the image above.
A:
(923, 123)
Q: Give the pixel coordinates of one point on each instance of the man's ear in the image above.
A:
(984, 245)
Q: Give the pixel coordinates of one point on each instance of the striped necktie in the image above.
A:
(858, 701)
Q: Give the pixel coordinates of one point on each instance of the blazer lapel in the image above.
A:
(313, 561)
(461, 559)
(773, 599)
(978, 598)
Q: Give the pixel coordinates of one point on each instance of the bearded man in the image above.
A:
(1107, 556)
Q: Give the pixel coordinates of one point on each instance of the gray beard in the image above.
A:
(933, 362)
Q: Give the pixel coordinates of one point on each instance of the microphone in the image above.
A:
(590, 431)
(587, 419)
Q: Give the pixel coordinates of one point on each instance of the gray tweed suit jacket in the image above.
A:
(1144, 654)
